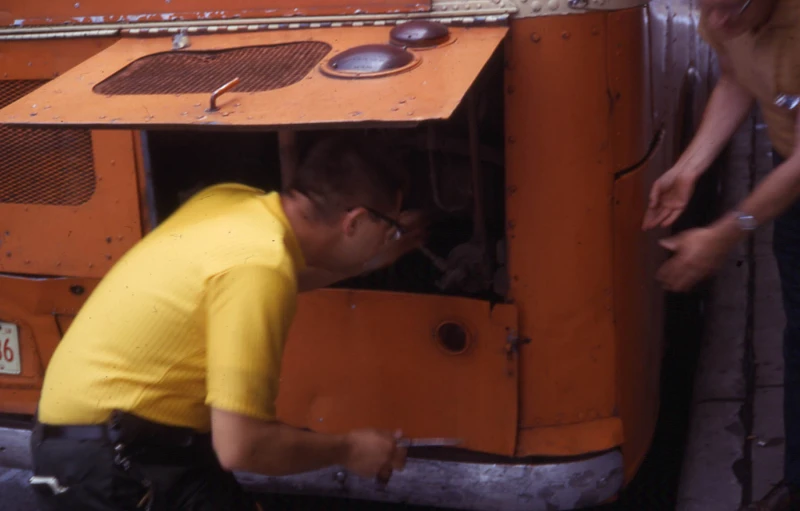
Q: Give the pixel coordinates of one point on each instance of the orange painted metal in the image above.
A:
(37, 60)
(558, 207)
(590, 436)
(580, 115)
(364, 358)
(33, 305)
(56, 240)
(431, 90)
(629, 87)
(637, 312)
(84, 240)
(51, 12)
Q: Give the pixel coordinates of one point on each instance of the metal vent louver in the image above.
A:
(259, 68)
(43, 166)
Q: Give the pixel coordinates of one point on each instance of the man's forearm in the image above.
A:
(288, 450)
(727, 108)
(272, 448)
(779, 190)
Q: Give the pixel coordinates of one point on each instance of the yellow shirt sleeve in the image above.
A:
(249, 311)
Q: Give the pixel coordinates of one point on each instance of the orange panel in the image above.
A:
(559, 216)
(33, 304)
(638, 306)
(431, 90)
(629, 87)
(48, 12)
(364, 358)
(583, 437)
(82, 240)
(37, 60)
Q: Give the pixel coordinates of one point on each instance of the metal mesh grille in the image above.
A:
(39, 166)
(260, 68)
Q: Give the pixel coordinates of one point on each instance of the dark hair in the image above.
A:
(346, 171)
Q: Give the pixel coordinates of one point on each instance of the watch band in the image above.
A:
(745, 221)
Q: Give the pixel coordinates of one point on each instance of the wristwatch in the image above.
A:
(745, 221)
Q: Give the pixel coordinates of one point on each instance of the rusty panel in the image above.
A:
(49, 12)
(260, 68)
(583, 437)
(431, 90)
(37, 60)
(74, 239)
(638, 306)
(629, 86)
(33, 304)
(38, 167)
(559, 220)
(360, 358)
(83, 240)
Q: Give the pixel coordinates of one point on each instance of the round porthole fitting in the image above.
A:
(369, 61)
(453, 337)
(419, 34)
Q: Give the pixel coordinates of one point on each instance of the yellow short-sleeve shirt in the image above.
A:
(194, 316)
(766, 62)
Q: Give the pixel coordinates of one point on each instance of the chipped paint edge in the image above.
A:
(470, 13)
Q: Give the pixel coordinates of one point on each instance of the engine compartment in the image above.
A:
(457, 178)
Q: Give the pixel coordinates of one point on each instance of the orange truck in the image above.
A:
(530, 327)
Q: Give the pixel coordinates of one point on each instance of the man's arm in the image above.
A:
(249, 312)
(272, 448)
(727, 108)
(775, 193)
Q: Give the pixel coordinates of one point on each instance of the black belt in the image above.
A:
(47, 431)
(128, 429)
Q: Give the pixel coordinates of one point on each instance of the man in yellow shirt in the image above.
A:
(165, 383)
(758, 45)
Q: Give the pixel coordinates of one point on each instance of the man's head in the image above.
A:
(349, 191)
(732, 18)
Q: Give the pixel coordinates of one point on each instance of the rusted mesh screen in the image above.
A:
(260, 68)
(39, 166)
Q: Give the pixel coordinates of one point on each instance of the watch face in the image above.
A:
(747, 222)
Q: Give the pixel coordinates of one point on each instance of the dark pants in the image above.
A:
(786, 245)
(124, 472)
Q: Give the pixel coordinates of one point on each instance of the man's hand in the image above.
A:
(415, 227)
(697, 254)
(374, 454)
(669, 197)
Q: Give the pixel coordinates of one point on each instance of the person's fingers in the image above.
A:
(385, 474)
(399, 458)
(672, 217)
(655, 195)
(672, 244)
(649, 219)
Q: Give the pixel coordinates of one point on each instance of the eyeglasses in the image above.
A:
(398, 229)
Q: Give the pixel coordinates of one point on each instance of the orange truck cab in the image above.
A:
(530, 327)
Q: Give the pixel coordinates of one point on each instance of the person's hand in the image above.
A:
(415, 228)
(697, 253)
(372, 453)
(669, 197)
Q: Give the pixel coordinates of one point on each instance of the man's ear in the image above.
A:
(351, 221)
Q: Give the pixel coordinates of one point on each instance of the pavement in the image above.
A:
(16, 494)
(735, 450)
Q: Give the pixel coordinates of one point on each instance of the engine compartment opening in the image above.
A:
(457, 177)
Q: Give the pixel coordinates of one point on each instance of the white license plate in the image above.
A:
(9, 349)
